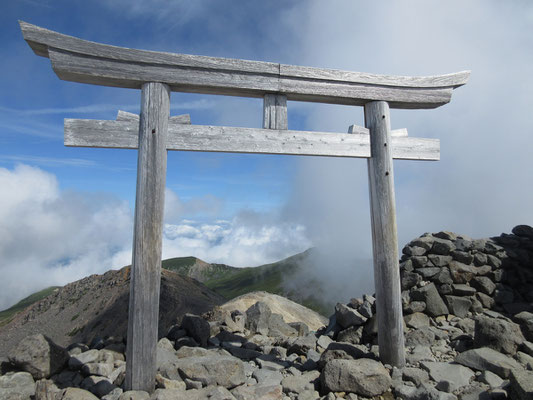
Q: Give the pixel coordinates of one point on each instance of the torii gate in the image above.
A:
(157, 74)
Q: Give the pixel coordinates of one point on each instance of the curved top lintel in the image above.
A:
(89, 62)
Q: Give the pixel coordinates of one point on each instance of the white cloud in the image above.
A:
(249, 239)
(52, 237)
(49, 237)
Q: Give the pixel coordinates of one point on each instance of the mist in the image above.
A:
(481, 185)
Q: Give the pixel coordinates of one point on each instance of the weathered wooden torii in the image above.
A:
(157, 74)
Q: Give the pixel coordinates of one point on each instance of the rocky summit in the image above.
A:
(468, 320)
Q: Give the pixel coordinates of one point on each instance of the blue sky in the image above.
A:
(67, 212)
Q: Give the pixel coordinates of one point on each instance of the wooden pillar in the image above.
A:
(384, 235)
(275, 111)
(147, 238)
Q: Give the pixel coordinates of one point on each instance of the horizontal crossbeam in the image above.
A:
(82, 61)
(124, 135)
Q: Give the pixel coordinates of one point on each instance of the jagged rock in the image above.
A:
(169, 394)
(525, 359)
(72, 393)
(257, 318)
(134, 395)
(483, 284)
(39, 356)
(422, 336)
(278, 327)
(523, 230)
(45, 390)
(364, 376)
(78, 360)
(17, 385)
(442, 247)
(235, 321)
(439, 260)
(461, 273)
(434, 304)
(458, 306)
(414, 251)
(267, 377)
(521, 384)
(428, 272)
(300, 327)
(176, 332)
(366, 308)
(353, 334)
(197, 328)
(303, 344)
(263, 392)
(415, 375)
(527, 347)
(225, 371)
(525, 319)
(419, 353)
(298, 384)
(490, 379)
(485, 300)
(347, 316)
(460, 289)
(324, 341)
(498, 334)
(416, 320)
(486, 358)
(164, 383)
(457, 375)
(463, 257)
(416, 306)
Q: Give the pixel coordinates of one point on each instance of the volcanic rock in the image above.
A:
(364, 376)
(39, 356)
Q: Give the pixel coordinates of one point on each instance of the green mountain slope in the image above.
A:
(272, 278)
(230, 282)
(7, 315)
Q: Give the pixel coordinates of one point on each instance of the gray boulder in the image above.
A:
(303, 344)
(458, 305)
(483, 284)
(259, 391)
(521, 385)
(498, 334)
(17, 386)
(39, 356)
(72, 393)
(258, 317)
(278, 327)
(300, 383)
(364, 376)
(457, 376)
(416, 320)
(220, 370)
(422, 336)
(197, 328)
(347, 316)
(486, 358)
(434, 304)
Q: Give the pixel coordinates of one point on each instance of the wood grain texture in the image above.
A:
(384, 235)
(355, 129)
(275, 111)
(147, 238)
(123, 135)
(177, 119)
(88, 62)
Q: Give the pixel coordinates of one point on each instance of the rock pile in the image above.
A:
(468, 313)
